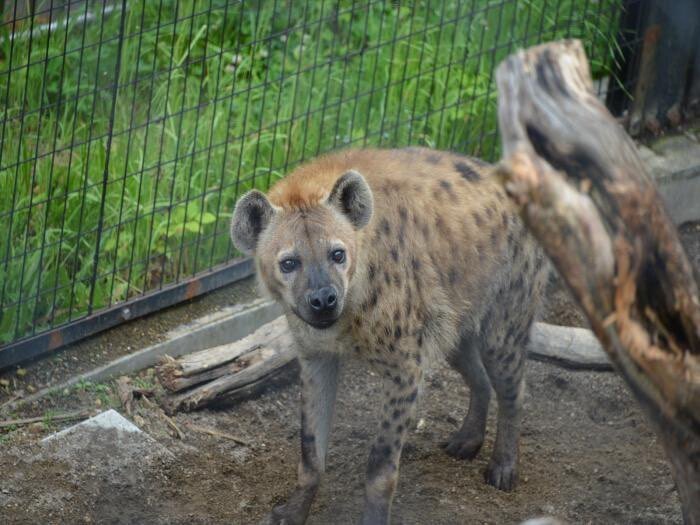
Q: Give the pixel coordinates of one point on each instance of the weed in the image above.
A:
(47, 420)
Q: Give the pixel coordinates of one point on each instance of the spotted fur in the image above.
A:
(443, 267)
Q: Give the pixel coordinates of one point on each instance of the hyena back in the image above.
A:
(397, 257)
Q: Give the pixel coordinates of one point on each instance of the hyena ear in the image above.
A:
(352, 197)
(250, 217)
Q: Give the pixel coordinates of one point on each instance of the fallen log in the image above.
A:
(200, 367)
(239, 368)
(566, 346)
(584, 194)
(261, 356)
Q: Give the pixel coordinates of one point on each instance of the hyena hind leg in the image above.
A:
(466, 442)
(505, 367)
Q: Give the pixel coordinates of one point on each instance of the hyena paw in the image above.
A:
(463, 446)
(502, 475)
(281, 515)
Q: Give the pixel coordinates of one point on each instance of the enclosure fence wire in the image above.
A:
(128, 128)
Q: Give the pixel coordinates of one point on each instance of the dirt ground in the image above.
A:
(588, 455)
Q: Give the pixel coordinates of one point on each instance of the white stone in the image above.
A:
(110, 419)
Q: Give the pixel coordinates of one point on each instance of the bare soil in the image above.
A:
(588, 455)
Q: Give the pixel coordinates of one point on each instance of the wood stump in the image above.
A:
(584, 194)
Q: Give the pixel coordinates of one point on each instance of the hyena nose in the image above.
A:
(323, 300)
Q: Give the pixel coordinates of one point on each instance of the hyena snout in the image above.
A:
(323, 301)
(323, 306)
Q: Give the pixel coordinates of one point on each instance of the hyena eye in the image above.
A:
(338, 256)
(289, 265)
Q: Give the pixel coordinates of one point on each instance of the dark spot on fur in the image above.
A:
(392, 187)
(478, 220)
(415, 263)
(373, 299)
(387, 278)
(481, 250)
(394, 254)
(371, 272)
(445, 185)
(414, 394)
(378, 456)
(441, 226)
(396, 414)
(453, 276)
(490, 211)
(385, 424)
(487, 321)
(399, 428)
(397, 332)
(510, 396)
(495, 238)
(426, 231)
(466, 171)
(386, 227)
(403, 213)
(419, 339)
(393, 401)
(433, 159)
(391, 348)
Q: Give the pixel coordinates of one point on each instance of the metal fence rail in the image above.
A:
(129, 128)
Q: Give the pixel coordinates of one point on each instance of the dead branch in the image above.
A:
(7, 423)
(218, 434)
(584, 194)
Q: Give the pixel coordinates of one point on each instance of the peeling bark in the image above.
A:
(584, 194)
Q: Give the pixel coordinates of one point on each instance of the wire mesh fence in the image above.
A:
(129, 128)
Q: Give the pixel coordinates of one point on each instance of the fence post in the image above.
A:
(658, 65)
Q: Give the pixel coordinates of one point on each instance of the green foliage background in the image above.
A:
(109, 193)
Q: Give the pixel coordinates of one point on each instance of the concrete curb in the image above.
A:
(211, 330)
(674, 163)
(681, 194)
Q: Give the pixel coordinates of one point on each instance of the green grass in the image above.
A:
(234, 103)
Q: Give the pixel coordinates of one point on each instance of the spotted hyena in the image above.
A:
(397, 257)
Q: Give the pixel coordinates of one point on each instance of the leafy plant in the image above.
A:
(121, 159)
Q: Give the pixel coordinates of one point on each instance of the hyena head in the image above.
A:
(306, 255)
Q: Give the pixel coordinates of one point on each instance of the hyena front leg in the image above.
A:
(319, 379)
(401, 392)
